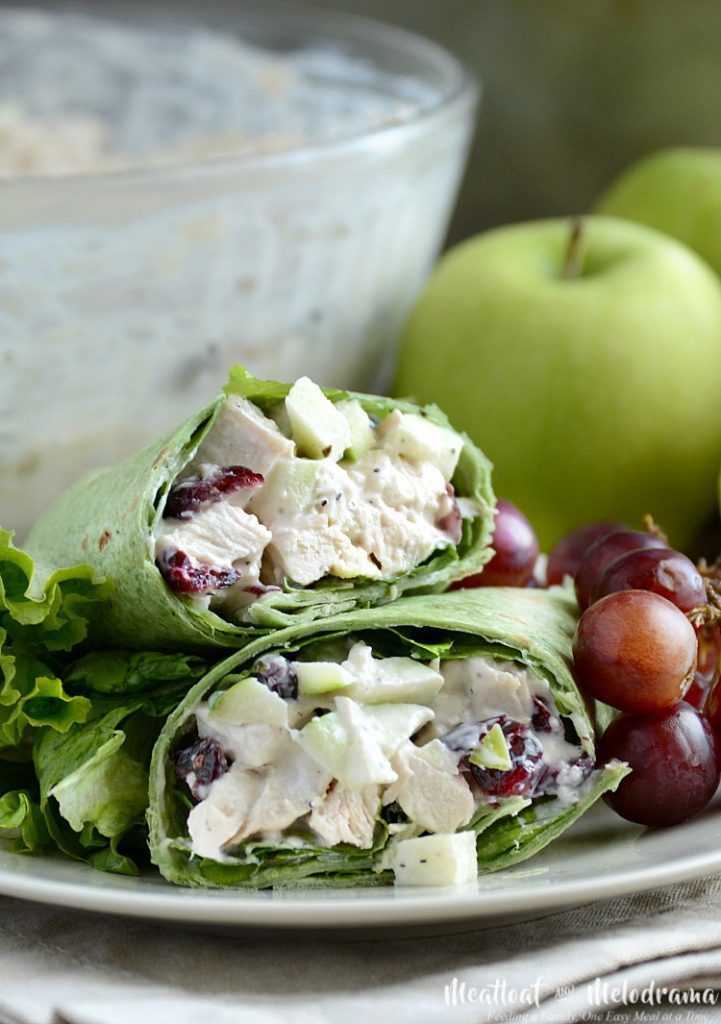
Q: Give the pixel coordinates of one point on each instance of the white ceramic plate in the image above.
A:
(601, 856)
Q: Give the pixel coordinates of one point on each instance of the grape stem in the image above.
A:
(651, 526)
(708, 613)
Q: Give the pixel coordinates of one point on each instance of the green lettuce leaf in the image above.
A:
(43, 614)
(47, 607)
(108, 790)
(93, 778)
(119, 672)
(22, 821)
(30, 695)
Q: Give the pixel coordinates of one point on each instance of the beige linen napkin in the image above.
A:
(66, 966)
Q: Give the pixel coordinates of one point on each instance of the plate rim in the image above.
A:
(302, 911)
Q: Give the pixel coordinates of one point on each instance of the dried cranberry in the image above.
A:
(189, 496)
(200, 765)
(530, 774)
(528, 767)
(278, 675)
(543, 719)
(186, 577)
(452, 523)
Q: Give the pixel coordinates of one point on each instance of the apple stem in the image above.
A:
(573, 264)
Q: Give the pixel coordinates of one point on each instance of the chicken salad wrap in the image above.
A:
(277, 504)
(418, 742)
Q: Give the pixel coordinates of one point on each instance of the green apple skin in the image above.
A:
(677, 191)
(596, 397)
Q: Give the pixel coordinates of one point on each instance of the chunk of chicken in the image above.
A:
(244, 802)
(252, 745)
(242, 436)
(377, 518)
(346, 815)
(429, 788)
(214, 822)
(221, 535)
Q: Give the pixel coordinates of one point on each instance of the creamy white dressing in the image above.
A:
(280, 778)
(479, 688)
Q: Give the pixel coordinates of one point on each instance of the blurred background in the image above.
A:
(572, 91)
(288, 277)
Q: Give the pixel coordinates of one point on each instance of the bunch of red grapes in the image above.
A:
(648, 644)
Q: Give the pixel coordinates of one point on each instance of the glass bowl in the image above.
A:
(176, 200)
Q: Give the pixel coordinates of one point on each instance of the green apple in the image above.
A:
(587, 366)
(677, 191)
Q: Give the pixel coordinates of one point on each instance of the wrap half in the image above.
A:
(277, 504)
(402, 742)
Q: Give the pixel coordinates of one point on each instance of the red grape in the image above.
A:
(660, 570)
(713, 708)
(707, 669)
(603, 552)
(635, 651)
(516, 550)
(676, 762)
(565, 558)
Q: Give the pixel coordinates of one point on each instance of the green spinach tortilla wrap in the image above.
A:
(418, 742)
(276, 504)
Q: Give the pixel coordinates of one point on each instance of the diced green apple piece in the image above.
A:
(444, 859)
(316, 677)
(391, 680)
(346, 749)
(291, 487)
(249, 701)
(393, 724)
(361, 429)
(355, 743)
(279, 415)
(318, 429)
(492, 751)
(416, 438)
